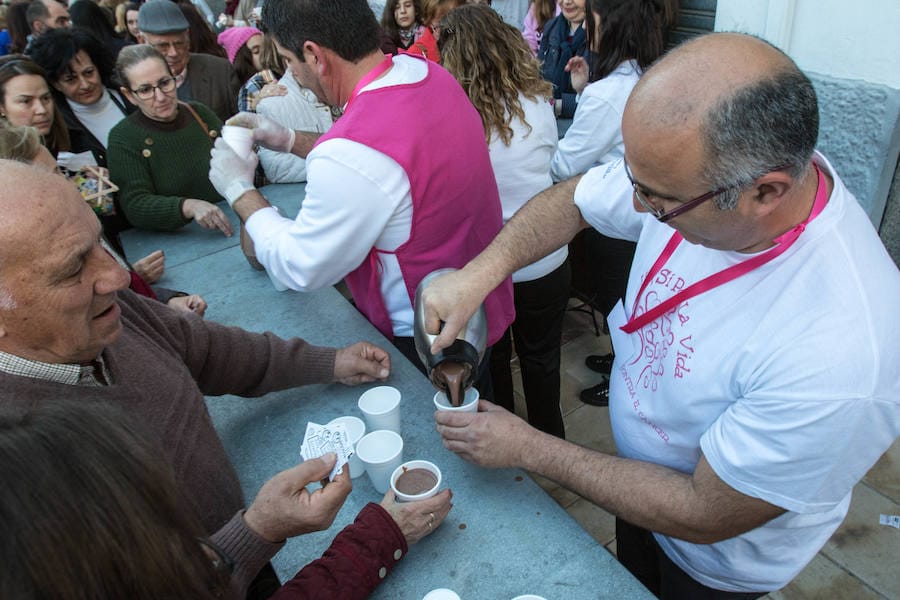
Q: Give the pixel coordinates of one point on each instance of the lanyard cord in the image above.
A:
(783, 242)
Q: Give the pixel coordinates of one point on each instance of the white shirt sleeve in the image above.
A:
(604, 197)
(596, 131)
(351, 200)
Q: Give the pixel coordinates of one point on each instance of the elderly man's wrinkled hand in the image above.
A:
(418, 519)
(230, 174)
(284, 508)
(266, 132)
(193, 303)
(361, 362)
(492, 437)
(151, 267)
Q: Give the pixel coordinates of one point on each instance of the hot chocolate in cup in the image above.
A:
(470, 402)
(415, 480)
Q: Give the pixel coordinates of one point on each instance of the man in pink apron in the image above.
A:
(400, 186)
(740, 426)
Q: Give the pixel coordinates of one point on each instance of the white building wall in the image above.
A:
(859, 39)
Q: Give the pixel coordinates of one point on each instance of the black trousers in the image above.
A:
(639, 552)
(537, 330)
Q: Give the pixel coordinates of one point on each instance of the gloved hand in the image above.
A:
(266, 132)
(230, 174)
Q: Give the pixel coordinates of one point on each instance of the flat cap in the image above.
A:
(161, 16)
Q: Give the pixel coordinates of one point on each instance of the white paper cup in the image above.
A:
(355, 429)
(239, 138)
(381, 452)
(416, 464)
(441, 594)
(470, 402)
(529, 597)
(380, 407)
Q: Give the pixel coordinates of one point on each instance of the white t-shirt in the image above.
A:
(787, 379)
(522, 170)
(356, 199)
(595, 136)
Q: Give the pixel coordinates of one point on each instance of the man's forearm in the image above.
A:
(697, 507)
(250, 202)
(304, 142)
(546, 222)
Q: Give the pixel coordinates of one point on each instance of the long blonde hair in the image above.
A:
(494, 64)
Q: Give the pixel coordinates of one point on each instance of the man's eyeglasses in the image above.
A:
(663, 216)
(165, 85)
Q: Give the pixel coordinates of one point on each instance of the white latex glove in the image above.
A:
(230, 174)
(266, 132)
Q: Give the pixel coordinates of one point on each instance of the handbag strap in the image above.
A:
(197, 118)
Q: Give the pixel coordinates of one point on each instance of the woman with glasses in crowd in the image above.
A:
(494, 65)
(159, 155)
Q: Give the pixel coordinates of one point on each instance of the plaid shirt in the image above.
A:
(59, 373)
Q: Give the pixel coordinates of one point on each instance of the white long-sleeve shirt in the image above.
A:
(595, 136)
(356, 198)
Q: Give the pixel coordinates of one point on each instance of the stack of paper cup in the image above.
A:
(355, 430)
(380, 407)
(381, 452)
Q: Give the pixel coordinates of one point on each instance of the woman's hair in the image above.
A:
(128, 6)
(92, 510)
(389, 23)
(55, 50)
(629, 29)
(243, 63)
(202, 38)
(19, 143)
(269, 57)
(17, 24)
(544, 10)
(129, 56)
(90, 16)
(14, 65)
(430, 9)
(493, 63)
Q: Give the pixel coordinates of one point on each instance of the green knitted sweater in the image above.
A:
(158, 165)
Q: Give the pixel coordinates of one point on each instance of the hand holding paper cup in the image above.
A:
(470, 402)
(239, 138)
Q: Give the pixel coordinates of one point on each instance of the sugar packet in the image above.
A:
(319, 440)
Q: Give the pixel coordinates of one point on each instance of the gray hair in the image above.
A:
(770, 124)
(129, 56)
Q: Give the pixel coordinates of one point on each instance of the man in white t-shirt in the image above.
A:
(746, 407)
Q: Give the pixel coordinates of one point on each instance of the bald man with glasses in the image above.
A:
(757, 349)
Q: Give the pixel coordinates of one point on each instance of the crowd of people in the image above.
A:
(426, 132)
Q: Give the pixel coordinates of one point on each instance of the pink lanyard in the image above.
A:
(783, 242)
(369, 77)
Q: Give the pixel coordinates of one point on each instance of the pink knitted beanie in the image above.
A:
(232, 39)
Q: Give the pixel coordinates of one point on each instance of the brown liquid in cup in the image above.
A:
(452, 376)
(415, 481)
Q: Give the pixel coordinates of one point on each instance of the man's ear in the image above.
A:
(770, 190)
(315, 54)
(37, 27)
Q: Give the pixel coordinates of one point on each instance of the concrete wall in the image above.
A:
(852, 53)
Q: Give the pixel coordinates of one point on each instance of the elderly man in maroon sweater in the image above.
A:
(70, 329)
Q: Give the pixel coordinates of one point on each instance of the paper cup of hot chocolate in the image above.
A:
(380, 407)
(381, 452)
(239, 138)
(529, 597)
(415, 480)
(470, 402)
(355, 430)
